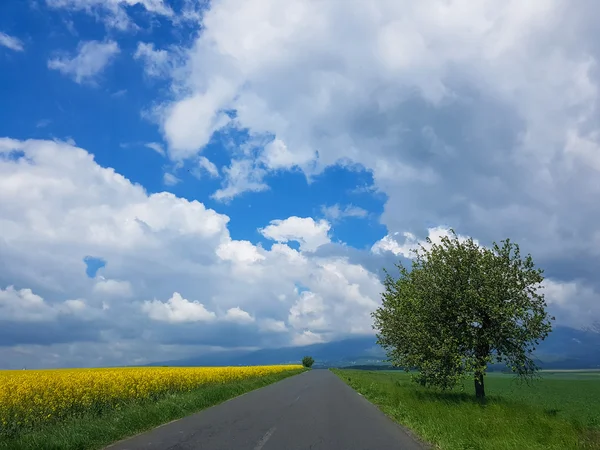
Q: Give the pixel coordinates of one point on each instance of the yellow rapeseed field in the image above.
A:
(32, 397)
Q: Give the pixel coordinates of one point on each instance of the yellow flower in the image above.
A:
(30, 397)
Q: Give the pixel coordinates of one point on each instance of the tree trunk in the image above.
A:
(482, 352)
(479, 387)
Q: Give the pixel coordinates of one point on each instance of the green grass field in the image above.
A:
(561, 411)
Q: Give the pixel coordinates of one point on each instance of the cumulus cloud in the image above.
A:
(238, 315)
(113, 288)
(177, 310)
(452, 107)
(406, 249)
(171, 265)
(276, 155)
(574, 302)
(189, 124)
(442, 102)
(304, 230)
(11, 42)
(22, 305)
(307, 337)
(307, 313)
(239, 251)
(175, 283)
(91, 59)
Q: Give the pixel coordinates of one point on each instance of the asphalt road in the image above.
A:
(313, 410)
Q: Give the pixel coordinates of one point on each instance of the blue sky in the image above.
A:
(255, 166)
(108, 119)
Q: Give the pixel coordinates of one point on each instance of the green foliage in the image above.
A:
(460, 307)
(308, 361)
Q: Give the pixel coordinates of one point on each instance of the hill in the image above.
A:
(565, 348)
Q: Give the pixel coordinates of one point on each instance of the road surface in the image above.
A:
(314, 410)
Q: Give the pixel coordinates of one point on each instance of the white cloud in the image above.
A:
(113, 12)
(335, 212)
(238, 315)
(276, 155)
(304, 230)
(11, 42)
(390, 244)
(156, 62)
(307, 337)
(122, 214)
(241, 176)
(162, 245)
(273, 326)
(168, 248)
(239, 251)
(335, 296)
(169, 179)
(574, 302)
(22, 305)
(91, 59)
(189, 124)
(156, 147)
(442, 102)
(205, 164)
(113, 288)
(308, 313)
(177, 310)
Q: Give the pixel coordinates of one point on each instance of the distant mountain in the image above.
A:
(330, 354)
(570, 348)
(565, 348)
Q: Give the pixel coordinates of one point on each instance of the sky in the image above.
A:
(182, 176)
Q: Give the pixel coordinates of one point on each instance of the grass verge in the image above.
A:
(556, 413)
(94, 432)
